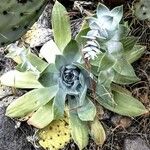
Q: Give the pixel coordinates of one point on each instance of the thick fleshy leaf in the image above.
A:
(106, 62)
(79, 130)
(32, 63)
(30, 102)
(59, 104)
(107, 22)
(128, 43)
(123, 79)
(121, 32)
(15, 51)
(117, 13)
(106, 77)
(105, 95)
(49, 76)
(42, 117)
(72, 52)
(96, 61)
(87, 111)
(60, 61)
(102, 10)
(83, 94)
(61, 25)
(128, 105)
(80, 39)
(97, 132)
(25, 80)
(38, 63)
(125, 104)
(49, 51)
(115, 48)
(135, 53)
(93, 24)
(124, 69)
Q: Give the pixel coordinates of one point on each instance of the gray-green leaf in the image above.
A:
(61, 25)
(72, 52)
(30, 102)
(87, 111)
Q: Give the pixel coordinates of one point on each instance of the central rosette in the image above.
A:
(70, 76)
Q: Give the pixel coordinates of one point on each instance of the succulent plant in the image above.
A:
(17, 16)
(103, 28)
(64, 85)
(109, 48)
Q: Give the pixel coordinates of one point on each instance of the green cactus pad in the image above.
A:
(16, 17)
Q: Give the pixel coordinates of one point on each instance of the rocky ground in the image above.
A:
(122, 133)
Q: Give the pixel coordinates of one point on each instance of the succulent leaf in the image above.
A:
(72, 52)
(135, 53)
(134, 107)
(97, 132)
(105, 95)
(124, 69)
(42, 117)
(103, 61)
(79, 38)
(128, 43)
(79, 130)
(83, 94)
(117, 13)
(87, 111)
(124, 79)
(125, 104)
(59, 104)
(24, 80)
(60, 61)
(49, 76)
(106, 77)
(25, 59)
(30, 102)
(61, 26)
(115, 48)
(102, 10)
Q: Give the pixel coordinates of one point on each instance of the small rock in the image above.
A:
(121, 121)
(135, 144)
(12, 138)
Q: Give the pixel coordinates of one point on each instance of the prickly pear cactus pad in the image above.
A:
(56, 135)
(17, 16)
